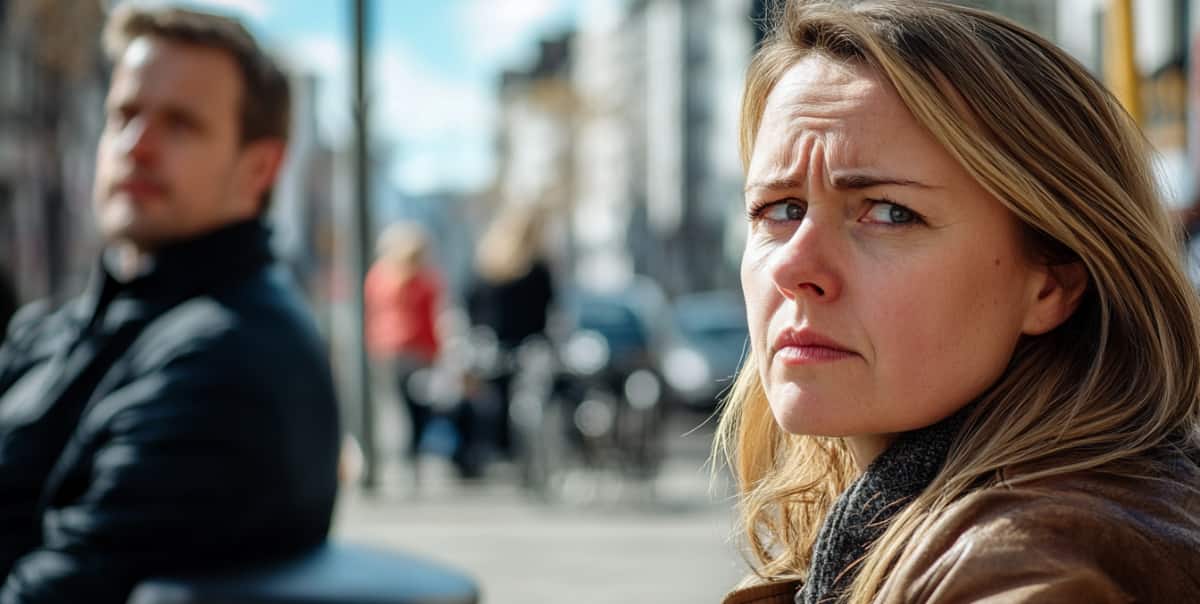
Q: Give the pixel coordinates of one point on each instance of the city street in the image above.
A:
(607, 544)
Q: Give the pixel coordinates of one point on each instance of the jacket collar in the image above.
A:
(862, 513)
(185, 268)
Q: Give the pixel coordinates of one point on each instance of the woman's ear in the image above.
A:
(1058, 294)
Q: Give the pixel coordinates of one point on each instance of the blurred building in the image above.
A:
(1165, 36)
(628, 127)
(534, 143)
(1038, 15)
(717, 43)
(53, 80)
(685, 66)
(52, 86)
(537, 109)
(608, 75)
(302, 210)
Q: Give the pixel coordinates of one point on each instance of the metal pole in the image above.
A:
(361, 253)
(1119, 65)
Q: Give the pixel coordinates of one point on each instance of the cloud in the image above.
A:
(420, 102)
(327, 58)
(464, 164)
(441, 124)
(322, 54)
(499, 32)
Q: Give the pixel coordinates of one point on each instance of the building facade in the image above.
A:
(52, 83)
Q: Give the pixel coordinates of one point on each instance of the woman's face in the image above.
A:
(885, 288)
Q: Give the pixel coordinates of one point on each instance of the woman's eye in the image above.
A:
(886, 212)
(782, 211)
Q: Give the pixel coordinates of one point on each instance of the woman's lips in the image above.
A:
(808, 355)
(806, 347)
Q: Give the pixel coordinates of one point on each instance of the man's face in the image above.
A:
(170, 165)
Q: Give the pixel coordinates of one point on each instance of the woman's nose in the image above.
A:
(805, 265)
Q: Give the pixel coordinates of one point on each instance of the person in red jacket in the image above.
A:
(403, 294)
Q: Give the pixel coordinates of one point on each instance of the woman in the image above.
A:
(511, 295)
(403, 297)
(973, 370)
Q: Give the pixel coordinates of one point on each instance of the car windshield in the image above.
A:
(614, 320)
(711, 317)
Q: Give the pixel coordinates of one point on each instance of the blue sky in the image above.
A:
(435, 67)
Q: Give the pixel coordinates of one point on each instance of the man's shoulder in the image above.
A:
(38, 328)
(223, 352)
(269, 298)
(248, 323)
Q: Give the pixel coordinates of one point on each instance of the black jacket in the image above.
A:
(182, 420)
(8, 300)
(514, 310)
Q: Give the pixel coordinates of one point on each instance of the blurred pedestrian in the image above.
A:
(403, 293)
(510, 295)
(973, 370)
(180, 414)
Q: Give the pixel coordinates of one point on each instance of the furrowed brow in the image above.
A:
(851, 182)
(856, 182)
(775, 185)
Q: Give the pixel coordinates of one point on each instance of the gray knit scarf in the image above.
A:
(863, 511)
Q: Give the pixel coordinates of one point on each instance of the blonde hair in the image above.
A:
(405, 245)
(510, 244)
(1118, 381)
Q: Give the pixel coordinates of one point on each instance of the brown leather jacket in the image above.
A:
(1091, 537)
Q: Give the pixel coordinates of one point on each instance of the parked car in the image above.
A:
(710, 339)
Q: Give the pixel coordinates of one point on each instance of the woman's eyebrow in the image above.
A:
(775, 185)
(852, 181)
(856, 181)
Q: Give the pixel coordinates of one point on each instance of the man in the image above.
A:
(180, 414)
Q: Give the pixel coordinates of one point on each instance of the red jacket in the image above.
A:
(401, 312)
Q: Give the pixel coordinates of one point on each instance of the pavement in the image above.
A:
(602, 540)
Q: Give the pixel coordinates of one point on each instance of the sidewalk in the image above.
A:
(613, 544)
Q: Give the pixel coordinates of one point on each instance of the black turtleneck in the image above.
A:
(187, 268)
